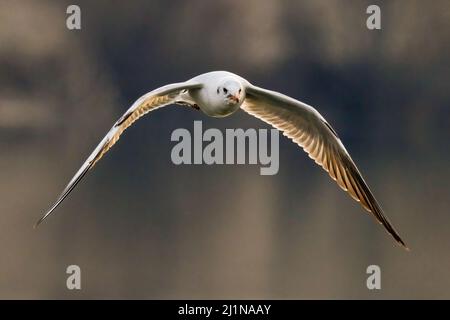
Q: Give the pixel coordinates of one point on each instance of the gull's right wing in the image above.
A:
(153, 100)
(306, 127)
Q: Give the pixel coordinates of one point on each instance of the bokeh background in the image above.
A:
(141, 227)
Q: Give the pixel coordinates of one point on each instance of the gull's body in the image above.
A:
(221, 93)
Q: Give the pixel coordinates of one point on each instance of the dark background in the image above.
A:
(141, 227)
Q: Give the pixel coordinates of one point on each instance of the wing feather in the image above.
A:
(148, 102)
(306, 127)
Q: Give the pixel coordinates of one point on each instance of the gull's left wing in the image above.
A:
(151, 101)
(305, 126)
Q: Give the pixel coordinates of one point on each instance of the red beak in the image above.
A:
(234, 98)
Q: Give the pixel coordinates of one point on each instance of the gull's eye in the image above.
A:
(225, 90)
(218, 90)
(240, 90)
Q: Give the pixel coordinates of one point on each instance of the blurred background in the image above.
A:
(141, 227)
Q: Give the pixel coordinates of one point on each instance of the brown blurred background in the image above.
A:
(141, 227)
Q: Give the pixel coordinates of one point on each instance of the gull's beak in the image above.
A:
(235, 99)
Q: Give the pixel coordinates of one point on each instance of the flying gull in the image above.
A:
(221, 93)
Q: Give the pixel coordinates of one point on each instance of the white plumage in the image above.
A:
(221, 93)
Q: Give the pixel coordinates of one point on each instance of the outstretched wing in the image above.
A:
(305, 126)
(148, 102)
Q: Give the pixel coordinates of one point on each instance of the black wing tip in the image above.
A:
(65, 193)
(394, 234)
(401, 242)
(391, 231)
(36, 225)
(45, 216)
(404, 246)
(374, 206)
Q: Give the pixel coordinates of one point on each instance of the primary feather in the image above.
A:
(306, 127)
(148, 102)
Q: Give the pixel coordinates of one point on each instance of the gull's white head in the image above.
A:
(231, 92)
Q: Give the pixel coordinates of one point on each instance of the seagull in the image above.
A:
(220, 94)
